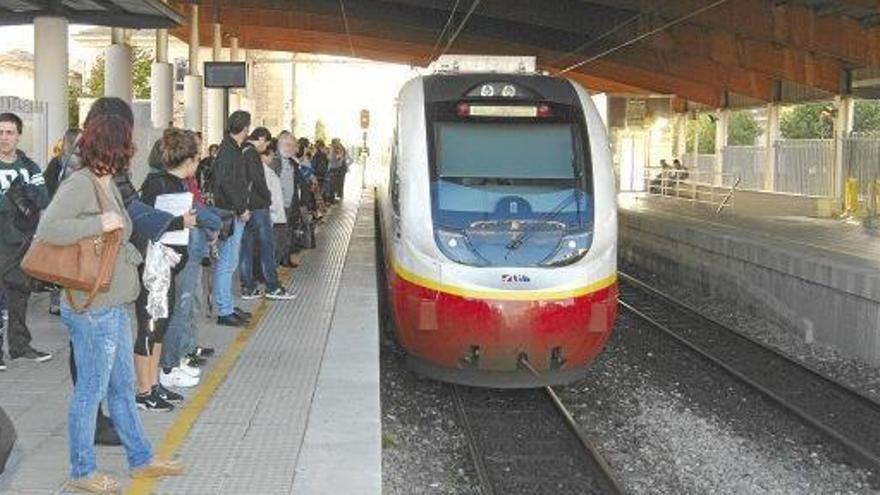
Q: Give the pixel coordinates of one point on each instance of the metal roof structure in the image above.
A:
(715, 53)
(137, 14)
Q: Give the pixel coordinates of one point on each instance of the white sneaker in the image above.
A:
(177, 378)
(189, 370)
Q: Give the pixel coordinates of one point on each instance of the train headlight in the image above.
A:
(457, 248)
(571, 248)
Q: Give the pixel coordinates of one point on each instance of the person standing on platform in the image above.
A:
(101, 334)
(17, 168)
(230, 192)
(258, 244)
(276, 208)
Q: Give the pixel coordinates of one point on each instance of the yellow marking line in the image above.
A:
(186, 419)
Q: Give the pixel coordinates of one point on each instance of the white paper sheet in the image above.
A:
(177, 204)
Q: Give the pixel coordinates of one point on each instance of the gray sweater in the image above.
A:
(75, 214)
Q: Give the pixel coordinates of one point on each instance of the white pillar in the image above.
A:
(722, 115)
(214, 130)
(772, 135)
(50, 77)
(234, 96)
(843, 125)
(680, 127)
(161, 84)
(192, 98)
(192, 84)
(161, 94)
(117, 68)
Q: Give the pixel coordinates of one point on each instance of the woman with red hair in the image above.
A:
(101, 334)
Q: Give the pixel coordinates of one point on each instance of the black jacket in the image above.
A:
(230, 178)
(259, 197)
(161, 182)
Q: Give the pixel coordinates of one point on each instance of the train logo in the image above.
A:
(511, 278)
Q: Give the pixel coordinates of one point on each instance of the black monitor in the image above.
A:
(225, 74)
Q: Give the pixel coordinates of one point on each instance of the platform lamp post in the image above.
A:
(225, 76)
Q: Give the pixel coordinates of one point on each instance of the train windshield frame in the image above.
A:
(523, 178)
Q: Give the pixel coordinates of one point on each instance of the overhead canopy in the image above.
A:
(712, 53)
(137, 14)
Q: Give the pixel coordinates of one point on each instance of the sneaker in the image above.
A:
(195, 361)
(55, 310)
(33, 355)
(242, 314)
(177, 378)
(203, 352)
(152, 402)
(167, 395)
(96, 483)
(2, 362)
(248, 294)
(280, 294)
(157, 469)
(189, 369)
(230, 321)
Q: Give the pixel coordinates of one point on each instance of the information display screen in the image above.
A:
(225, 74)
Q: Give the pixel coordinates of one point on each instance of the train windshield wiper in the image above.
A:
(547, 217)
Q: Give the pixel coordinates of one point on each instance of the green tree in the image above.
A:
(320, 131)
(141, 66)
(73, 94)
(866, 116)
(704, 125)
(742, 129)
(808, 121)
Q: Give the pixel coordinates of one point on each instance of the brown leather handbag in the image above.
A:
(86, 266)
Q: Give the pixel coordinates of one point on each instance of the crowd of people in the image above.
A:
(249, 206)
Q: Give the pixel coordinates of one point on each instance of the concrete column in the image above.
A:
(843, 126)
(192, 84)
(771, 136)
(680, 129)
(234, 95)
(722, 115)
(214, 129)
(161, 84)
(118, 67)
(50, 77)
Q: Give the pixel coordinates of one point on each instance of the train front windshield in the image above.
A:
(511, 193)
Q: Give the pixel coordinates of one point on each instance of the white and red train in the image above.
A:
(498, 221)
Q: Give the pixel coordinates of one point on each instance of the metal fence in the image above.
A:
(746, 163)
(34, 140)
(805, 167)
(861, 170)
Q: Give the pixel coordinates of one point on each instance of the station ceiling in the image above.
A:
(134, 14)
(711, 52)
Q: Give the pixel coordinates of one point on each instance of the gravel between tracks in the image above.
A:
(668, 423)
(821, 357)
(424, 449)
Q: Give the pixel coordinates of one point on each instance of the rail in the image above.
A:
(842, 413)
(696, 187)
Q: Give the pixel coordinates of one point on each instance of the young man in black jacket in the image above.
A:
(16, 167)
(258, 243)
(230, 188)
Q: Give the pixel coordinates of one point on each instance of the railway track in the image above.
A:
(525, 441)
(846, 415)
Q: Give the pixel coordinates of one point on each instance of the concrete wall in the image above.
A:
(832, 300)
(755, 203)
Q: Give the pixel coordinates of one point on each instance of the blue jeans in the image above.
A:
(258, 246)
(224, 269)
(181, 335)
(105, 367)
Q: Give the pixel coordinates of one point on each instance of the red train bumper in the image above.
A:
(443, 331)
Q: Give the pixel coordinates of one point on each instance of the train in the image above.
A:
(497, 227)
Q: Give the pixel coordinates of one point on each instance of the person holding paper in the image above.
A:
(165, 189)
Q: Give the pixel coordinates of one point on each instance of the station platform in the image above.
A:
(818, 277)
(290, 404)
